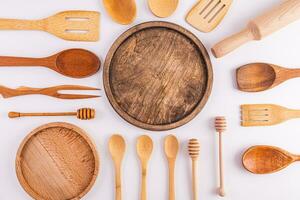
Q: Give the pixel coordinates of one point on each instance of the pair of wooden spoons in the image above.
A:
(264, 159)
(74, 63)
(256, 77)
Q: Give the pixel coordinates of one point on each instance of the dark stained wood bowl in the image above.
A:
(57, 161)
(158, 76)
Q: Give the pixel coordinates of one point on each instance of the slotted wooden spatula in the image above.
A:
(206, 15)
(266, 114)
(68, 25)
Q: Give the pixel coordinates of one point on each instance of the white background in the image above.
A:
(281, 48)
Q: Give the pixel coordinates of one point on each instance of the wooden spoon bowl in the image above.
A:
(163, 8)
(122, 11)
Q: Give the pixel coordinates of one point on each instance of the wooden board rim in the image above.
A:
(78, 130)
(121, 39)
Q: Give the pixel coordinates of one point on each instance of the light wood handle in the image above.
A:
(17, 114)
(262, 26)
(18, 24)
(118, 182)
(195, 178)
(20, 61)
(171, 180)
(221, 168)
(144, 184)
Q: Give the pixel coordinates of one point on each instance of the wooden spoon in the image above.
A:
(256, 77)
(171, 151)
(74, 63)
(267, 159)
(163, 8)
(117, 147)
(122, 11)
(144, 148)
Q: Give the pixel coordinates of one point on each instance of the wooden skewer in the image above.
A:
(220, 125)
(83, 114)
(194, 149)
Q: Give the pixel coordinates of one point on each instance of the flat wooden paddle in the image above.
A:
(256, 77)
(267, 159)
(121, 11)
(163, 8)
(69, 25)
(75, 63)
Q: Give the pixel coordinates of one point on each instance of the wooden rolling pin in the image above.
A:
(83, 114)
(277, 18)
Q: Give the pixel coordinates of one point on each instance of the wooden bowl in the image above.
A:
(57, 161)
(158, 76)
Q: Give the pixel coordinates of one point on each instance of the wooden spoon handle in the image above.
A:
(144, 184)
(195, 178)
(21, 61)
(171, 180)
(18, 24)
(118, 183)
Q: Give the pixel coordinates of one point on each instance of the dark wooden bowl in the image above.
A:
(158, 76)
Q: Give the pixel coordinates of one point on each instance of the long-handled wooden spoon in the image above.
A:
(194, 149)
(163, 8)
(83, 114)
(74, 25)
(144, 149)
(267, 159)
(122, 11)
(256, 77)
(75, 63)
(171, 150)
(117, 148)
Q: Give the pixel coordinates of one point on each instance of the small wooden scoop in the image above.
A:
(163, 8)
(206, 15)
(122, 11)
(74, 63)
(256, 77)
(69, 25)
(83, 114)
(267, 159)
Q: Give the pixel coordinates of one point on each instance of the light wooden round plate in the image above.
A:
(158, 76)
(57, 161)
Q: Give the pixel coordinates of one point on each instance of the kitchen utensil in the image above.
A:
(83, 114)
(57, 161)
(122, 11)
(75, 25)
(206, 15)
(171, 150)
(277, 18)
(117, 148)
(256, 77)
(75, 63)
(144, 149)
(220, 125)
(163, 8)
(50, 91)
(267, 159)
(194, 149)
(266, 114)
(157, 76)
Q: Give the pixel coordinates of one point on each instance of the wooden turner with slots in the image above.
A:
(206, 15)
(69, 25)
(266, 114)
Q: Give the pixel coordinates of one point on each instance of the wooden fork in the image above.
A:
(266, 114)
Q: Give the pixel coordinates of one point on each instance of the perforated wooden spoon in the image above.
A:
(256, 77)
(117, 148)
(73, 25)
(75, 63)
(144, 148)
(163, 8)
(267, 159)
(122, 11)
(171, 150)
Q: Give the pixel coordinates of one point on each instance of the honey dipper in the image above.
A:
(194, 149)
(83, 114)
(220, 125)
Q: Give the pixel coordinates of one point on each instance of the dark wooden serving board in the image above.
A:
(158, 76)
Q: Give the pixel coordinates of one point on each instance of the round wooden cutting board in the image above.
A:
(57, 161)
(158, 76)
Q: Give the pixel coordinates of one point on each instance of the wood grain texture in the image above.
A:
(74, 25)
(121, 11)
(206, 15)
(265, 159)
(158, 76)
(57, 161)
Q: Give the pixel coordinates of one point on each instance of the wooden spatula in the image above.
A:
(68, 25)
(266, 114)
(206, 15)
